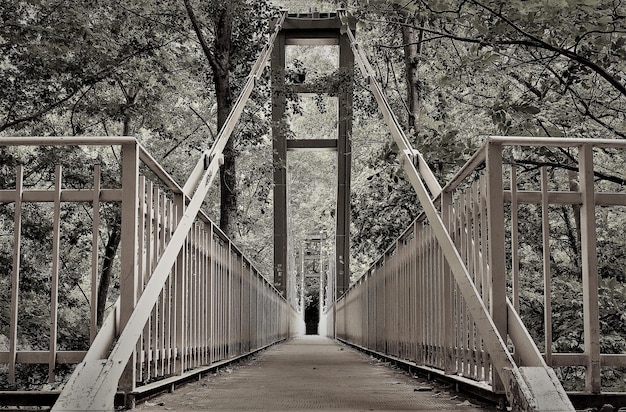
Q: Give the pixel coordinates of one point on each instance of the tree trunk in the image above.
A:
(219, 58)
(221, 71)
(115, 233)
(411, 39)
(575, 241)
(107, 268)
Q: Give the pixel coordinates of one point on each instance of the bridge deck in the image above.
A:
(312, 372)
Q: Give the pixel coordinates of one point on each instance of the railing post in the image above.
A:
(448, 295)
(54, 284)
(589, 270)
(180, 294)
(128, 252)
(15, 273)
(547, 273)
(95, 235)
(496, 247)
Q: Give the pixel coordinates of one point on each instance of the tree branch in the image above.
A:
(535, 41)
(198, 30)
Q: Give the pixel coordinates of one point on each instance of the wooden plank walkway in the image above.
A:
(312, 372)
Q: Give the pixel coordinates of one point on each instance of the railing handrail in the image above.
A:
(555, 141)
(66, 140)
(144, 155)
(478, 158)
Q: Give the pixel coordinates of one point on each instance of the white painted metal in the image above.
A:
(95, 236)
(15, 274)
(54, 278)
(547, 274)
(590, 270)
(526, 352)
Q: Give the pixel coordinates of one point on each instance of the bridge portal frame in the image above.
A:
(312, 29)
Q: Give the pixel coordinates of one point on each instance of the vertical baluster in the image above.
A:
(547, 276)
(463, 248)
(155, 259)
(447, 285)
(213, 294)
(436, 326)
(169, 301)
(244, 306)
(474, 263)
(486, 278)
(229, 303)
(210, 293)
(200, 293)
(383, 305)
(441, 302)
(431, 293)
(204, 294)
(141, 270)
(239, 329)
(514, 239)
(458, 309)
(179, 293)
(15, 274)
(149, 266)
(424, 292)
(428, 289)
(415, 314)
(188, 292)
(397, 301)
(220, 300)
(195, 292)
(188, 298)
(242, 298)
(193, 299)
(164, 291)
(211, 303)
(95, 238)
(54, 278)
(405, 290)
(487, 285)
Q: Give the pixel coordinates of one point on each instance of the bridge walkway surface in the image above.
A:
(313, 372)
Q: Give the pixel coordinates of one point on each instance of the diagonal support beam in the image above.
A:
(94, 382)
(524, 386)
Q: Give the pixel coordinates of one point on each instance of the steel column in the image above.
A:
(279, 147)
(344, 150)
(312, 31)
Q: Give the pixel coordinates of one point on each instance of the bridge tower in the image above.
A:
(317, 29)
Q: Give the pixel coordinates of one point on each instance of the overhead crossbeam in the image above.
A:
(531, 388)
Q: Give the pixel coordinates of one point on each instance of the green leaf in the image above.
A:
(526, 109)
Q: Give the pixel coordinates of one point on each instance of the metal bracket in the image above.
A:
(412, 156)
(208, 159)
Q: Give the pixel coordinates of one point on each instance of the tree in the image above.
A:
(548, 52)
(236, 29)
(98, 69)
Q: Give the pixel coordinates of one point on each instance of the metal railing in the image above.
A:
(525, 387)
(214, 305)
(409, 306)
